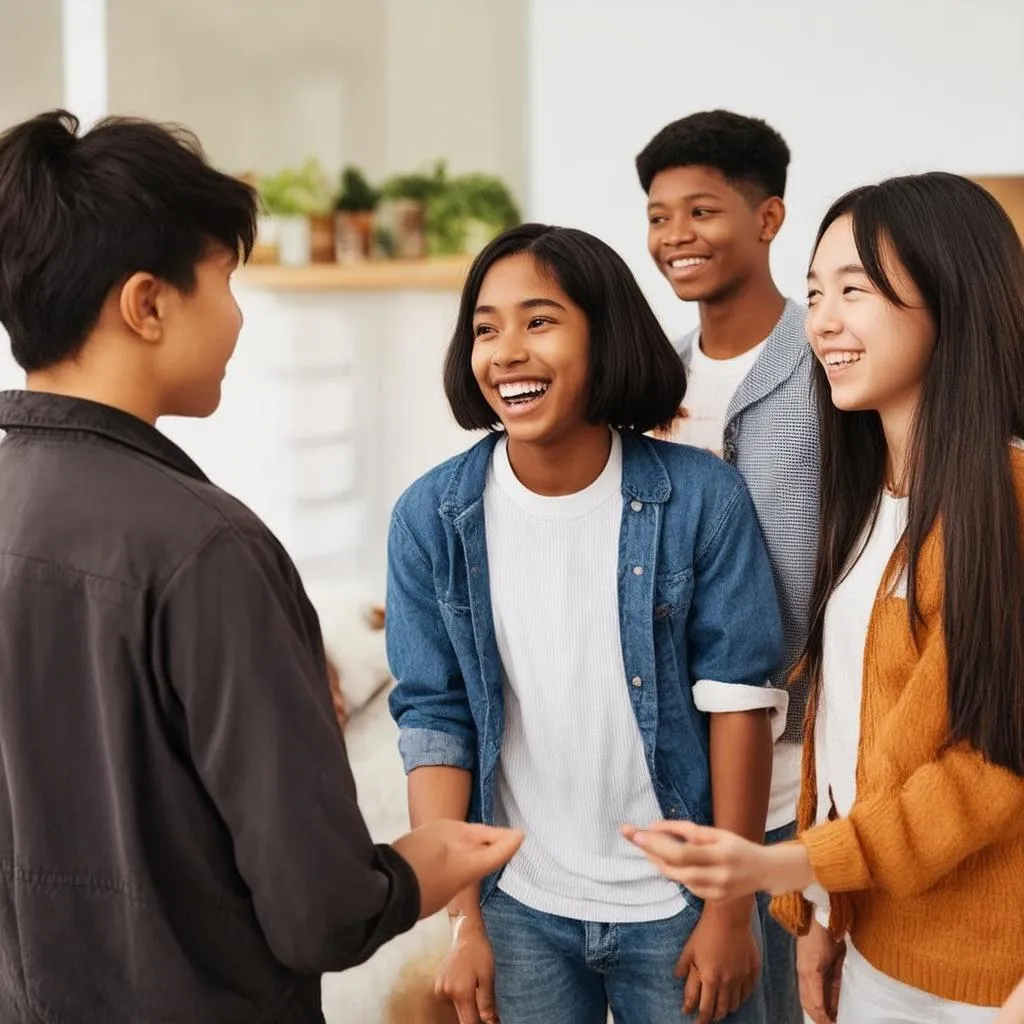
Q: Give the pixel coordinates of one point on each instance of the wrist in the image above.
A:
(731, 913)
(790, 868)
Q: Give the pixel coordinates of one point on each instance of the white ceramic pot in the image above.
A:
(293, 241)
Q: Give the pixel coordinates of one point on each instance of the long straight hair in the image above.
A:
(961, 251)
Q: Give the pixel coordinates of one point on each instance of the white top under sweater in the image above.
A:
(572, 767)
(710, 385)
(867, 995)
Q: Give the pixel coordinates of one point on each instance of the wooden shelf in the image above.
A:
(440, 274)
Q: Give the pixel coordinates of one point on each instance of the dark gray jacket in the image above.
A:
(179, 834)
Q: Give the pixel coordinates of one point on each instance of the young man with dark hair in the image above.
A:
(715, 183)
(179, 833)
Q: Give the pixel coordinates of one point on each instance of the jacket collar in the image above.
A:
(783, 351)
(644, 477)
(38, 411)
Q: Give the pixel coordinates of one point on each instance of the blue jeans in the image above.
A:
(549, 969)
(778, 975)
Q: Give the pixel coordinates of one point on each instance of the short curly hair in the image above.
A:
(745, 150)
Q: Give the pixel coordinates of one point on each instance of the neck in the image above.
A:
(736, 323)
(564, 466)
(897, 425)
(112, 386)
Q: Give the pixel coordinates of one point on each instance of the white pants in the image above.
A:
(867, 996)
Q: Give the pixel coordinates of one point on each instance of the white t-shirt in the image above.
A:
(710, 385)
(572, 768)
(867, 995)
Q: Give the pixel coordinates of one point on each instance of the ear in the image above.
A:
(142, 304)
(772, 216)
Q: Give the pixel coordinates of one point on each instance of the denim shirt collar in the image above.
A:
(40, 411)
(644, 477)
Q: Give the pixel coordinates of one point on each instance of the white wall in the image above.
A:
(859, 91)
(31, 78)
(388, 84)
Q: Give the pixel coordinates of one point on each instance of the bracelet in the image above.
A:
(456, 922)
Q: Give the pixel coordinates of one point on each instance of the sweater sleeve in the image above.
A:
(889, 840)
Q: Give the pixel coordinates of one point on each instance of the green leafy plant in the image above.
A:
(297, 192)
(419, 187)
(469, 206)
(357, 195)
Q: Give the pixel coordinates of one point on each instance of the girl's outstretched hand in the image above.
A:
(718, 865)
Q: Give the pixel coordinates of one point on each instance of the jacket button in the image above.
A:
(638, 570)
(637, 681)
(636, 505)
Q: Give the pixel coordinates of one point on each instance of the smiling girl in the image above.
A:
(912, 807)
(582, 623)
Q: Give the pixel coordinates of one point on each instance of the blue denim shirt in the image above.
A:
(696, 603)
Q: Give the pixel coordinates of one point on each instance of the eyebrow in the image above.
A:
(526, 304)
(689, 198)
(846, 268)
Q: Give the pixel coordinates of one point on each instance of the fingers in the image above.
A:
(709, 991)
(812, 996)
(495, 851)
(465, 1010)
(485, 1002)
(688, 831)
(835, 981)
(692, 992)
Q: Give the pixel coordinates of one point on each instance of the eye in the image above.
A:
(851, 289)
(702, 211)
(539, 321)
(481, 329)
(813, 295)
(657, 218)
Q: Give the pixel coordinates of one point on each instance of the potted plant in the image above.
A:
(297, 200)
(467, 212)
(354, 216)
(405, 202)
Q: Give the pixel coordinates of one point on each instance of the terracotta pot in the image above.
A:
(321, 238)
(353, 234)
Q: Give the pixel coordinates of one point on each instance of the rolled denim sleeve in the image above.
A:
(429, 701)
(735, 628)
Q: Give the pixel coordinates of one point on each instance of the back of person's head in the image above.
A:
(746, 151)
(959, 249)
(79, 215)
(636, 379)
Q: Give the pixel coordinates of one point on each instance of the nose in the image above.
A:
(823, 319)
(510, 349)
(677, 230)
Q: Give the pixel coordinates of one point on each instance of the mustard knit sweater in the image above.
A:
(927, 872)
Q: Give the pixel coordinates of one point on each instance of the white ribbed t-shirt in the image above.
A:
(572, 767)
(710, 385)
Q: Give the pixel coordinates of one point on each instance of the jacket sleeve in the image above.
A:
(889, 840)
(734, 626)
(238, 644)
(429, 701)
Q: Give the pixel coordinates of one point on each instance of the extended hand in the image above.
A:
(719, 865)
(720, 963)
(447, 856)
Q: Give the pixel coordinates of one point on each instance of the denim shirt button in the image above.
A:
(638, 570)
(637, 681)
(636, 506)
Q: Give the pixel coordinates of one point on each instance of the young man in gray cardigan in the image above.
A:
(715, 183)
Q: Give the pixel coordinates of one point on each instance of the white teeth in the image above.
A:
(689, 261)
(842, 358)
(522, 387)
